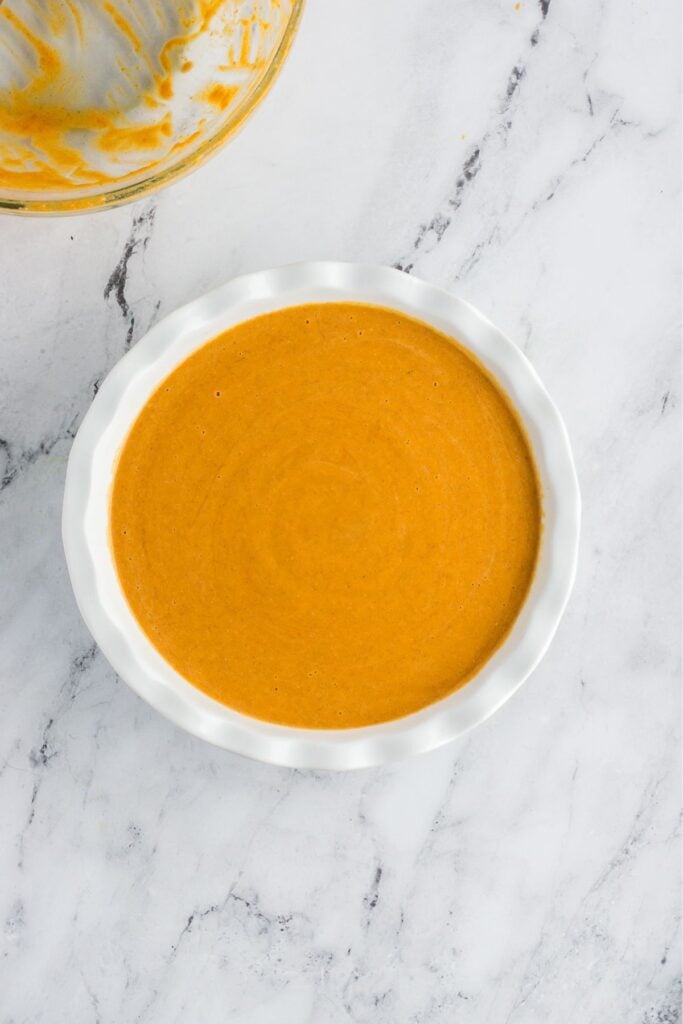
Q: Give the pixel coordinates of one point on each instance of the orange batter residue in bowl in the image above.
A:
(97, 93)
(329, 516)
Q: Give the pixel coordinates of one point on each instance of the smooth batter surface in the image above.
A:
(327, 517)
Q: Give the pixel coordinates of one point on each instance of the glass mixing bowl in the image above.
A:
(104, 101)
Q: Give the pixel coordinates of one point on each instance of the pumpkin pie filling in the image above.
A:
(327, 517)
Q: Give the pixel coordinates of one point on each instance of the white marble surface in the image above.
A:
(528, 159)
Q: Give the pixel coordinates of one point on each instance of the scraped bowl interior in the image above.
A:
(102, 101)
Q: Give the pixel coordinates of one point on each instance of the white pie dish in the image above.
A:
(85, 522)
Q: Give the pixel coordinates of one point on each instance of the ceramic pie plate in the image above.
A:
(85, 521)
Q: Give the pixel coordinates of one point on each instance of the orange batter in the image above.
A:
(329, 516)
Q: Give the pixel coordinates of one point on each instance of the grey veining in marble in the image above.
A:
(526, 156)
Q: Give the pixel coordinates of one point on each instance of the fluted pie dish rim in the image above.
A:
(85, 520)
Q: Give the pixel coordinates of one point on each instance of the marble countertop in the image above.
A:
(524, 155)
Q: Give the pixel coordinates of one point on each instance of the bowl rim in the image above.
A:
(109, 198)
(85, 517)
